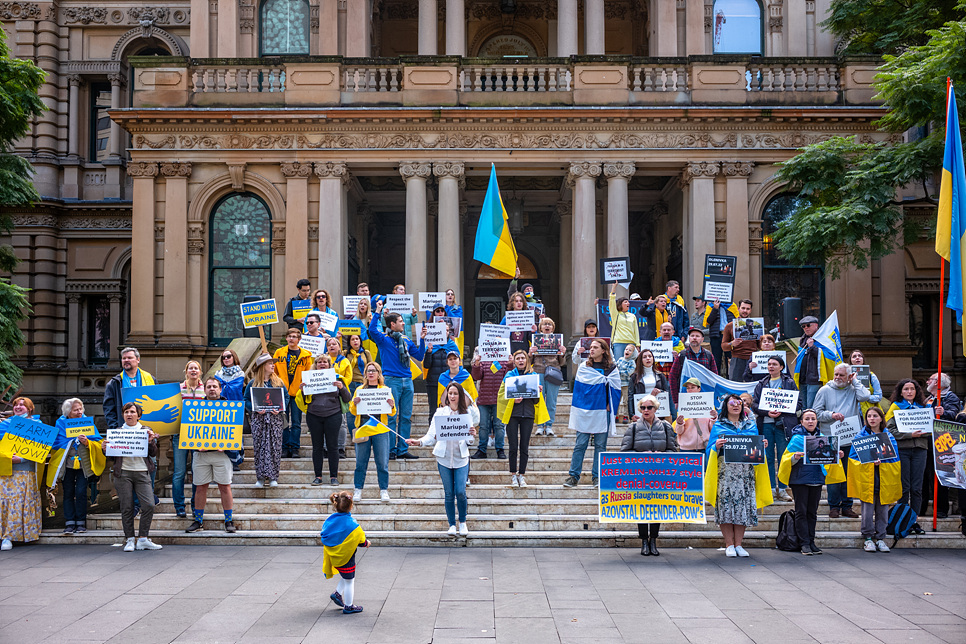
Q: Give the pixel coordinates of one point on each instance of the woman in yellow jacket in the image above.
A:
(623, 323)
(372, 435)
(877, 485)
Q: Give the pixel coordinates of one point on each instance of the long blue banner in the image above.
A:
(652, 487)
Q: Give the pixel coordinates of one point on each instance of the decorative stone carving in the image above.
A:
(754, 237)
(721, 232)
(246, 16)
(695, 170)
(583, 169)
(410, 169)
(432, 209)
(237, 173)
(737, 169)
(96, 223)
(625, 169)
(464, 212)
(73, 298)
(49, 221)
(141, 141)
(448, 169)
(364, 213)
(117, 80)
(278, 239)
(176, 169)
(142, 169)
(158, 15)
(332, 170)
(19, 11)
(314, 19)
(314, 232)
(85, 15)
(775, 24)
(74, 80)
(296, 170)
(196, 238)
(159, 232)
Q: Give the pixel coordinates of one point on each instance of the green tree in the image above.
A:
(851, 213)
(20, 81)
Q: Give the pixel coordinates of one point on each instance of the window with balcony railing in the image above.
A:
(284, 27)
(737, 27)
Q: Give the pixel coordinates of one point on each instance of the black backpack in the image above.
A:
(787, 538)
(901, 519)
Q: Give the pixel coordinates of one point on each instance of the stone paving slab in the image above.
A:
(423, 595)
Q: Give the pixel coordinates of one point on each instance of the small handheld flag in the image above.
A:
(494, 246)
(371, 427)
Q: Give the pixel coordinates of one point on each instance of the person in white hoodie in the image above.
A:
(452, 456)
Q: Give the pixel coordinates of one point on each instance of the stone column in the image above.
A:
(618, 175)
(75, 333)
(566, 324)
(594, 27)
(664, 28)
(736, 222)
(566, 28)
(228, 34)
(329, 28)
(449, 243)
(142, 251)
(333, 229)
(699, 222)
(415, 174)
(358, 24)
(175, 283)
(694, 30)
(426, 37)
(196, 282)
(583, 177)
(73, 118)
(200, 29)
(117, 84)
(755, 246)
(796, 41)
(455, 28)
(297, 221)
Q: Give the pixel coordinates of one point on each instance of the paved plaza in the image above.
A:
(532, 596)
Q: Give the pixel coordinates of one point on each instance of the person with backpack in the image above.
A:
(877, 485)
(806, 481)
(913, 447)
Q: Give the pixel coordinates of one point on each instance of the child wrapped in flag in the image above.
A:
(341, 537)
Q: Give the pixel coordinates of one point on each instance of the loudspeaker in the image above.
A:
(789, 313)
(252, 332)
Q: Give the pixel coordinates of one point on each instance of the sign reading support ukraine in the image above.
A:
(259, 313)
(652, 487)
(212, 424)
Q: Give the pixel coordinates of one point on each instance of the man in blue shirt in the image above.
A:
(395, 349)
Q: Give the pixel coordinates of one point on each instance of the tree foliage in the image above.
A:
(852, 214)
(20, 82)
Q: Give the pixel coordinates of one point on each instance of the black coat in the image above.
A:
(788, 421)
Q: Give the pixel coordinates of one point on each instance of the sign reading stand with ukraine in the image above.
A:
(212, 424)
(652, 487)
(259, 313)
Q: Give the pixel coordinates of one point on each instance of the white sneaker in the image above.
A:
(783, 495)
(273, 483)
(356, 495)
(741, 552)
(730, 552)
(549, 432)
(259, 484)
(539, 431)
(129, 545)
(869, 545)
(452, 531)
(522, 482)
(881, 545)
(7, 544)
(384, 495)
(146, 544)
(514, 481)
(464, 530)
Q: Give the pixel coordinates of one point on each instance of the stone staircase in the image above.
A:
(543, 514)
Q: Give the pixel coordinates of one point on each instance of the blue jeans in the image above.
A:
(490, 423)
(837, 492)
(454, 485)
(380, 445)
(550, 397)
(775, 435)
(177, 480)
(291, 435)
(350, 420)
(600, 445)
(810, 392)
(402, 391)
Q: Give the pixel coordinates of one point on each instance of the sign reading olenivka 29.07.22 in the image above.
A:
(652, 487)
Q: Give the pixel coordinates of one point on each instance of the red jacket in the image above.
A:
(490, 382)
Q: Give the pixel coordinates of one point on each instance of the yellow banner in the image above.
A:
(12, 445)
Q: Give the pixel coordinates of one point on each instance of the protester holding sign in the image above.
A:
(452, 456)
(623, 323)
(806, 481)
(519, 339)
(213, 466)
(809, 374)
(519, 415)
(877, 484)
(947, 405)
(913, 446)
(290, 361)
(343, 368)
(324, 418)
(841, 398)
(191, 388)
(740, 348)
(857, 358)
(454, 373)
(132, 478)
(646, 379)
(304, 287)
(735, 490)
(693, 433)
(597, 394)
(322, 303)
(266, 426)
(358, 358)
(19, 490)
(434, 363)
(490, 376)
(550, 381)
(375, 443)
(580, 351)
(758, 364)
(625, 367)
(692, 351)
(409, 318)
(74, 459)
(230, 376)
(776, 426)
(131, 376)
(657, 314)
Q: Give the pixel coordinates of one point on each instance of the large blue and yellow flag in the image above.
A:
(951, 220)
(161, 406)
(494, 246)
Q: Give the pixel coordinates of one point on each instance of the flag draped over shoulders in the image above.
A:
(595, 400)
(341, 535)
(833, 473)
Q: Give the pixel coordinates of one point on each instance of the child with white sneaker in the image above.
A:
(341, 537)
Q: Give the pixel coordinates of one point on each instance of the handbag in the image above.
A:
(553, 375)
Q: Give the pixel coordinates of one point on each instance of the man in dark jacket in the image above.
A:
(776, 426)
(809, 378)
(304, 287)
(130, 376)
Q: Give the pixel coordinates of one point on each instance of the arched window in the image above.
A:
(284, 27)
(737, 27)
(779, 279)
(240, 263)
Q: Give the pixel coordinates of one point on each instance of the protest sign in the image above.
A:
(454, 326)
(783, 400)
(372, 401)
(430, 300)
(27, 438)
(160, 404)
(845, 430)
(663, 404)
(493, 331)
(350, 304)
(548, 344)
(126, 441)
(527, 386)
(494, 349)
(637, 307)
(351, 327)
(84, 426)
(318, 381)
(699, 404)
(259, 313)
(949, 453)
(821, 450)
(328, 321)
(212, 424)
(537, 308)
(399, 304)
(748, 328)
(435, 332)
(585, 346)
(615, 270)
(268, 399)
(869, 449)
(314, 344)
(300, 308)
(914, 420)
(662, 350)
(863, 373)
(652, 487)
(520, 320)
(719, 277)
(759, 360)
(744, 450)
(455, 427)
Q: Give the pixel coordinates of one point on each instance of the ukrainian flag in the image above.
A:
(829, 342)
(161, 405)
(371, 427)
(951, 220)
(494, 246)
(340, 535)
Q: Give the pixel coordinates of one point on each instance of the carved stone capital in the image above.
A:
(237, 173)
(115, 298)
(117, 80)
(74, 80)
(332, 170)
(775, 24)
(582, 169)
(364, 213)
(464, 212)
(623, 169)
(702, 169)
(448, 169)
(562, 209)
(278, 239)
(176, 169)
(159, 232)
(196, 246)
(73, 298)
(414, 169)
(737, 168)
(755, 242)
(296, 170)
(432, 209)
(142, 169)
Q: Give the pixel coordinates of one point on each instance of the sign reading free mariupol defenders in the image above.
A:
(212, 424)
(652, 487)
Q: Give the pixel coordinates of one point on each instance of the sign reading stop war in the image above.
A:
(914, 420)
(699, 404)
(453, 427)
(615, 270)
(783, 400)
(719, 277)
(84, 426)
(259, 313)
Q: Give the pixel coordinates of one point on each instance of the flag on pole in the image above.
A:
(829, 342)
(951, 220)
(371, 427)
(494, 246)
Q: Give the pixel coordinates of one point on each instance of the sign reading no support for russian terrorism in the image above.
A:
(212, 424)
(652, 487)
